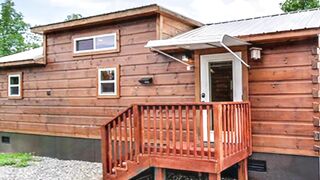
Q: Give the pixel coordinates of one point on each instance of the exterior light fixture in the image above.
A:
(255, 53)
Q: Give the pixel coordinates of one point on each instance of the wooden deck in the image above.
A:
(173, 136)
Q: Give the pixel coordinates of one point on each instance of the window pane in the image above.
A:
(107, 75)
(14, 80)
(14, 90)
(107, 88)
(105, 42)
(86, 44)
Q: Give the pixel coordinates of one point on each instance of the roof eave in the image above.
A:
(112, 17)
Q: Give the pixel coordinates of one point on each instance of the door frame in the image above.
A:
(205, 85)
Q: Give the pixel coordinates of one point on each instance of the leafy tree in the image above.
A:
(14, 32)
(73, 17)
(295, 5)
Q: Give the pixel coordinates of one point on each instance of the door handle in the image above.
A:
(203, 95)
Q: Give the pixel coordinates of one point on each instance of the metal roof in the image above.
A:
(32, 54)
(197, 40)
(298, 20)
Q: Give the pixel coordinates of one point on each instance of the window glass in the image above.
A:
(85, 44)
(107, 75)
(105, 42)
(14, 85)
(14, 90)
(14, 80)
(108, 87)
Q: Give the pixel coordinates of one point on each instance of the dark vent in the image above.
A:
(5, 139)
(257, 165)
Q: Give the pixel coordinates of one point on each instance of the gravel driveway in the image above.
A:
(43, 168)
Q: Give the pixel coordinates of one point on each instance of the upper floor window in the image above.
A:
(108, 82)
(14, 85)
(103, 42)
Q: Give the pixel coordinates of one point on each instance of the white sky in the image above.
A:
(38, 12)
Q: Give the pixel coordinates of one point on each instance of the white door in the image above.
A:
(221, 80)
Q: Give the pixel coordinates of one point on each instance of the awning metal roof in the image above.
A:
(195, 39)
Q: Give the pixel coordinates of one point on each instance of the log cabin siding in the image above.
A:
(280, 91)
(72, 108)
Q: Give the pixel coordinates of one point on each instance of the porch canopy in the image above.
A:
(198, 39)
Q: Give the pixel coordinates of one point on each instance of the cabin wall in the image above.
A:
(282, 99)
(60, 99)
(169, 27)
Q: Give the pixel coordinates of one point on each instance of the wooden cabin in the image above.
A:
(151, 93)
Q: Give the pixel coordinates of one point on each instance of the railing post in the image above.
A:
(137, 129)
(249, 126)
(104, 149)
(218, 153)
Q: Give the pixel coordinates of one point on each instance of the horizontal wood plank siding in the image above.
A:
(280, 88)
(60, 98)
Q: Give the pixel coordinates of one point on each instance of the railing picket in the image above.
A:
(194, 114)
(130, 135)
(224, 117)
(174, 130)
(115, 145)
(208, 131)
(160, 130)
(148, 131)
(142, 130)
(167, 131)
(125, 115)
(109, 141)
(154, 130)
(229, 130)
(201, 132)
(120, 141)
(188, 130)
(180, 130)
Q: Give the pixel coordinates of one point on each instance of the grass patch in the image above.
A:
(15, 159)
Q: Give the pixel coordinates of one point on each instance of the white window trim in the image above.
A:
(14, 85)
(115, 81)
(94, 43)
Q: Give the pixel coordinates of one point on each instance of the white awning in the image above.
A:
(198, 39)
(195, 39)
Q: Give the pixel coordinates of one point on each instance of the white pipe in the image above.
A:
(234, 54)
(172, 57)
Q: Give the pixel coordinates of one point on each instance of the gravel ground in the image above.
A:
(43, 168)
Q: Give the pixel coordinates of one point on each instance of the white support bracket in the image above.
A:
(234, 54)
(189, 66)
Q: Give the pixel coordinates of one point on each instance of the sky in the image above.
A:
(40, 12)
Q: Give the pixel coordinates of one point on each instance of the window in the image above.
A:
(14, 85)
(108, 82)
(96, 43)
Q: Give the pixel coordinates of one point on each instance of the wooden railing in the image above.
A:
(215, 132)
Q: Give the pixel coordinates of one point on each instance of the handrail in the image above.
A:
(212, 132)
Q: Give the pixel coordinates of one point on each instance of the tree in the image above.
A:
(14, 32)
(73, 17)
(295, 5)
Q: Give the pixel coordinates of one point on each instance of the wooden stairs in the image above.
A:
(173, 136)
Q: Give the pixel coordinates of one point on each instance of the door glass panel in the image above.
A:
(221, 81)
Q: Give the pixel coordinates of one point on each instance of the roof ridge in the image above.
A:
(266, 16)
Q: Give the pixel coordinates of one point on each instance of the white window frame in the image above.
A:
(115, 81)
(94, 43)
(14, 85)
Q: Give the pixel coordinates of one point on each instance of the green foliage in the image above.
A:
(295, 5)
(15, 159)
(73, 17)
(14, 32)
